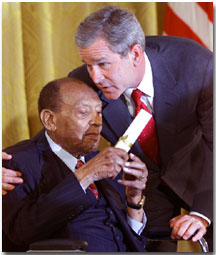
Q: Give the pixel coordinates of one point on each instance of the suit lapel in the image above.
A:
(116, 115)
(111, 194)
(53, 169)
(166, 104)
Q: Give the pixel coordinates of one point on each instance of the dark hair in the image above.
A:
(50, 98)
(119, 27)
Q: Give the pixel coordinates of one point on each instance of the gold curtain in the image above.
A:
(38, 46)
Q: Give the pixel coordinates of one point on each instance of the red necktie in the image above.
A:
(94, 190)
(148, 138)
(92, 186)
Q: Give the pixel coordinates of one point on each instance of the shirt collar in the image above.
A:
(69, 160)
(146, 85)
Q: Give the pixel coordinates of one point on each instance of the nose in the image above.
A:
(96, 74)
(96, 119)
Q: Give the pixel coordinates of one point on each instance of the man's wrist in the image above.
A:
(137, 206)
(201, 216)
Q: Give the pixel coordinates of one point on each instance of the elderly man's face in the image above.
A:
(111, 72)
(79, 122)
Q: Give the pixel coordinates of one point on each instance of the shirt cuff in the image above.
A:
(137, 226)
(201, 215)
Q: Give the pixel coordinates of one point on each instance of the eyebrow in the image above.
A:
(86, 104)
(95, 60)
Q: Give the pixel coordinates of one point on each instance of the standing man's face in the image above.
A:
(111, 72)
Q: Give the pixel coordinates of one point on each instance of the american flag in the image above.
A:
(190, 19)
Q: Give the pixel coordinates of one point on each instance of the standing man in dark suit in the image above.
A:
(56, 199)
(175, 77)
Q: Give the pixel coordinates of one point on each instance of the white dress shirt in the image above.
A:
(147, 87)
(70, 161)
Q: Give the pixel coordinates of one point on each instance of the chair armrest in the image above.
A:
(59, 245)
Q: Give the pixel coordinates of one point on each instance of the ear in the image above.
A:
(136, 54)
(48, 118)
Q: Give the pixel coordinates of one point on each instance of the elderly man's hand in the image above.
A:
(134, 179)
(184, 226)
(9, 176)
(107, 164)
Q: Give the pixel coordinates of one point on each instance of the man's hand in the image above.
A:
(9, 176)
(184, 226)
(107, 164)
(134, 179)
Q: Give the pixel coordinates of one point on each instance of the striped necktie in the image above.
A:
(148, 138)
(92, 186)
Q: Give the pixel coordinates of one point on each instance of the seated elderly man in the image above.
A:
(60, 167)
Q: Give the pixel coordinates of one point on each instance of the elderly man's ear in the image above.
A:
(48, 119)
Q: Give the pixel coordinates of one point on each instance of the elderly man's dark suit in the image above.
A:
(51, 204)
(183, 104)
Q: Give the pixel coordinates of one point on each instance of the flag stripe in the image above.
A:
(177, 27)
(196, 19)
(208, 9)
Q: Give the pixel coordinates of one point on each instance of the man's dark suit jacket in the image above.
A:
(51, 197)
(183, 105)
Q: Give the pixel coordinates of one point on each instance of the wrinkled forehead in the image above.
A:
(74, 91)
(98, 49)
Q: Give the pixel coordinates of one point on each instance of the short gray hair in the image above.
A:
(119, 27)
